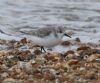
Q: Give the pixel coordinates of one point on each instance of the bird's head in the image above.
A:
(61, 32)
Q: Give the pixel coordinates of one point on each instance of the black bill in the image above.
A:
(67, 35)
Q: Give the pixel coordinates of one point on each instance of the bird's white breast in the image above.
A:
(48, 41)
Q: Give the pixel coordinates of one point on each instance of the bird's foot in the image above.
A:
(42, 49)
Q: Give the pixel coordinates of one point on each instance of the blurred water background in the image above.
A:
(80, 17)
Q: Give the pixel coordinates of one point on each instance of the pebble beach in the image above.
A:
(21, 62)
(74, 60)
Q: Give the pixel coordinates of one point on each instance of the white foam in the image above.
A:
(7, 37)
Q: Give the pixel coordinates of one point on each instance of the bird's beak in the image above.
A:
(67, 35)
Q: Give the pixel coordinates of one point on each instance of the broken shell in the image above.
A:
(72, 62)
(9, 80)
(82, 68)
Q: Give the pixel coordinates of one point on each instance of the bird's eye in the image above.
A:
(60, 31)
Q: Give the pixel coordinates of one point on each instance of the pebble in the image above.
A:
(81, 68)
(4, 75)
(9, 80)
(91, 58)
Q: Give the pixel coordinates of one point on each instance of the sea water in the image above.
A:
(80, 17)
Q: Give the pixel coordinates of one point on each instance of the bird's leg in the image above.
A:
(42, 48)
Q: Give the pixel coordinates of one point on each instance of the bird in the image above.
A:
(47, 36)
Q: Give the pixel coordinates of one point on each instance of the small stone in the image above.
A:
(10, 57)
(91, 58)
(52, 71)
(57, 81)
(21, 64)
(70, 56)
(66, 43)
(77, 40)
(28, 67)
(23, 41)
(58, 65)
(76, 54)
(18, 70)
(33, 61)
(61, 66)
(83, 48)
(52, 56)
(24, 55)
(98, 55)
(85, 57)
(37, 52)
(97, 60)
(70, 52)
(90, 75)
(49, 57)
(38, 75)
(49, 76)
(4, 75)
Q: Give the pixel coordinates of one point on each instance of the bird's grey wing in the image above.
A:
(41, 32)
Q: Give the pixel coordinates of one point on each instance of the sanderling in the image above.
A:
(46, 37)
